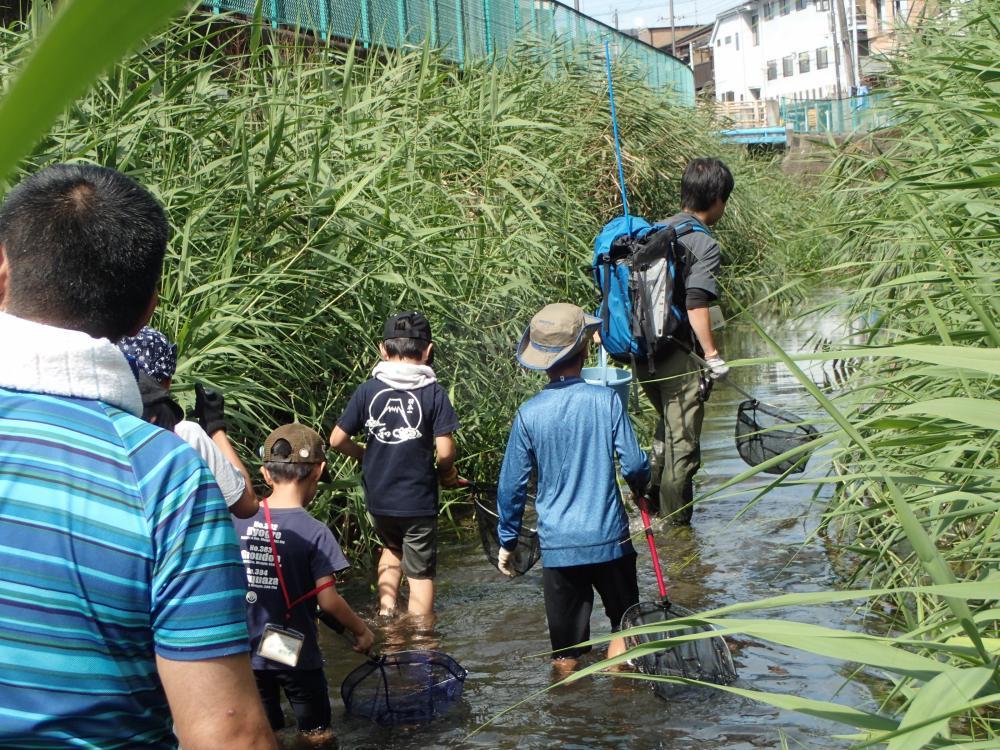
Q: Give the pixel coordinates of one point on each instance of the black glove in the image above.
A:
(650, 493)
(209, 408)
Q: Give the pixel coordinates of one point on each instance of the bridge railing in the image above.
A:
(469, 30)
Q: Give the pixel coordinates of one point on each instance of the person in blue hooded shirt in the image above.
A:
(568, 436)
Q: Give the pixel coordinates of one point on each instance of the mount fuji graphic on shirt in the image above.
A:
(399, 421)
(399, 416)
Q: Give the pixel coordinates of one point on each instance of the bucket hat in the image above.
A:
(557, 331)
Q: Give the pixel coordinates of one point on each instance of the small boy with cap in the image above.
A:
(406, 418)
(569, 435)
(291, 561)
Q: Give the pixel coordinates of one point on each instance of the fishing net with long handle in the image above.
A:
(706, 659)
(528, 550)
(765, 432)
(405, 687)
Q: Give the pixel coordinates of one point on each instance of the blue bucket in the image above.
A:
(615, 378)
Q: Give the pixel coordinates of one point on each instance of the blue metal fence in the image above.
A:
(468, 30)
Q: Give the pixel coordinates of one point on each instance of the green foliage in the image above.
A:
(918, 427)
(313, 192)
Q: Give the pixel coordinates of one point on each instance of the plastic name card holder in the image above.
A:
(282, 645)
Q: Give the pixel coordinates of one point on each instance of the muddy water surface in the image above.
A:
(496, 628)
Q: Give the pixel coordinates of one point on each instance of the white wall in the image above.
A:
(737, 63)
(743, 71)
(801, 31)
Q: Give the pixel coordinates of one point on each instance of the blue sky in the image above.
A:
(645, 13)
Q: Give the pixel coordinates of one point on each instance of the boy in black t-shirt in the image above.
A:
(282, 598)
(406, 418)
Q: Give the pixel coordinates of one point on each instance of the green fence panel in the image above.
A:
(837, 116)
(469, 30)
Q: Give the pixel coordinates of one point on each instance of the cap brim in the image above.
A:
(531, 357)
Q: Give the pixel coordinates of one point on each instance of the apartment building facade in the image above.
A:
(775, 49)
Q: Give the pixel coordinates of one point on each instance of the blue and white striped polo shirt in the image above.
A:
(115, 545)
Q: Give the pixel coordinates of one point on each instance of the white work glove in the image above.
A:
(504, 564)
(717, 367)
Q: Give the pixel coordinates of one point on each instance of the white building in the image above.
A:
(773, 49)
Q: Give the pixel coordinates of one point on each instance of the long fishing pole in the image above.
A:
(614, 128)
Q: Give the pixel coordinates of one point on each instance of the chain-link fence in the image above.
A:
(467, 30)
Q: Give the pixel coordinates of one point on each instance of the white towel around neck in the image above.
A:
(40, 358)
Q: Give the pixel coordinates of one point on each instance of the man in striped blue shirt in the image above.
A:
(121, 587)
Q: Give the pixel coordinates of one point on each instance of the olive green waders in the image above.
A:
(672, 388)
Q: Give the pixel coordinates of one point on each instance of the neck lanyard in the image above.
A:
(289, 604)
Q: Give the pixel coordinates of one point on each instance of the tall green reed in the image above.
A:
(914, 516)
(313, 192)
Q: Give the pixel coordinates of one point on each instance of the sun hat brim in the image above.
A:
(532, 356)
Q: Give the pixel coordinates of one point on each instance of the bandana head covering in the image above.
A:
(152, 353)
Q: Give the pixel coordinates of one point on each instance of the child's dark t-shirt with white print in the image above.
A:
(307, 551)
(399, 429)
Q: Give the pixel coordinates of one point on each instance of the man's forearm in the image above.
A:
(701, 323)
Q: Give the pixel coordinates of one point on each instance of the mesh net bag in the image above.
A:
(704, 659)
(407, 687)
(763, 432)
(528, 550)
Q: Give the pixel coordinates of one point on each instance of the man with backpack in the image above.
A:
(657, 284)
(674, 386)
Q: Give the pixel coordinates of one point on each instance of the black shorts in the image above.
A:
(305, 690)
(414, 540)
(569, 600)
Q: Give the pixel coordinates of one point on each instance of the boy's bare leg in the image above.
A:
(616, 647)
(421, 596)
(390, 573)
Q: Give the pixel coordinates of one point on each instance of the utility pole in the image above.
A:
(845, 42)
(615, 16)
(836, 48)
(673, 31)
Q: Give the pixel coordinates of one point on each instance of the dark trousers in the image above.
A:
(569, 600)
(305, 690)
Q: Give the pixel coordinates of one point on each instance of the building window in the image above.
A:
(755, 29)
(729, 40)
(737, 36)
(823, 6)
(801, 4)
(803, 62)
(772, 69)
(729, 96)
(768, 11)
(900, 10)
(788, 66)
(785, 7)
(718, 42)
(822, 60)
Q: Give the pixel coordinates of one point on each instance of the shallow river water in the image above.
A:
(496, 628)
